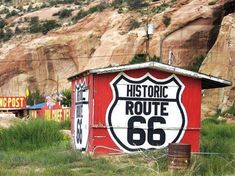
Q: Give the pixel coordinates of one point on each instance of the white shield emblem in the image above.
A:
(146, 113)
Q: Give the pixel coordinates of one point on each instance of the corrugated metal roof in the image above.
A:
(37, 106)
(208, 81)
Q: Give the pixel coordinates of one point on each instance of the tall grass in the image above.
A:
(56, 157)
(217, 136)
(30, 135)
(218, 141)
(65, 125)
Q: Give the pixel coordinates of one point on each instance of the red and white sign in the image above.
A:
(143, 110)
(12, 102)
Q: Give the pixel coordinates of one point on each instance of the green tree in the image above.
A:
(49, 25)
(65, 13)
(67, 100)
(34, 25)
(166, 20)
(35, 97)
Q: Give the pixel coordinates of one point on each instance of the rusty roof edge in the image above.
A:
(154, 65)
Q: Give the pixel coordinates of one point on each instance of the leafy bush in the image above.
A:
(161, 8)
(133, 24)
(134, 4)
(35, 97)
(67, 100)
(65, 125)
(18, 30)
(155, 58)
(12, 13)
(6, 34)
(30, 135)
(36, 26)
(166, 20)
(81, 14)
(49, 25)
(140, 58)
(55, 2)
(98, 8)
(231, 110)
(195, 66)
(117, 3)
(2, 23)
(65, 13)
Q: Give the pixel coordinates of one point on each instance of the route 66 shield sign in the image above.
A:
(146, 112)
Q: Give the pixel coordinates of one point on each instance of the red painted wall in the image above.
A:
(100, 97)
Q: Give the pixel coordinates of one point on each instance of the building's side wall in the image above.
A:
(103, 96)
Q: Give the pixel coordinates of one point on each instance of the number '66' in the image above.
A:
(150, 131)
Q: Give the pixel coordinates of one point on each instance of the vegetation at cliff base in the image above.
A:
(140, 58)
(196, 64)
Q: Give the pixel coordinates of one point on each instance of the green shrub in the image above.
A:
(36, 26)
(30, 135)
(65, 13)
(161, 8)
(98, 8)
(117, 3)
(12, 13)
(49, 25)
(134, 4)
(67, 100)
(133, 24)
(6, 34)
(81, 14)
(2, 23)
(55, 2)
(166, 20)
(18, 30)
(65, 125)
(231, 110)
(35, 97)
(195, 66)
(140, 58)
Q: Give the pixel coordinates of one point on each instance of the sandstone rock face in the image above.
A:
(220, 62)
(103, 39)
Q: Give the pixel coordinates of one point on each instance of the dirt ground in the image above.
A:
(6, 122)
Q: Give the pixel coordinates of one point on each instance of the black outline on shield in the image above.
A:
(141, 81)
